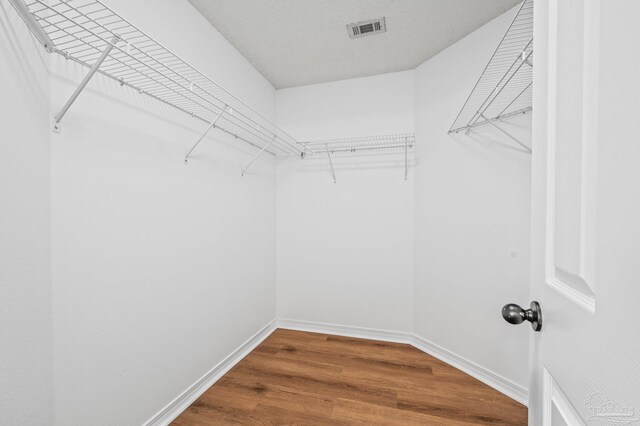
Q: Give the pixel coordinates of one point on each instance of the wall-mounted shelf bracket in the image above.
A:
(83, 83)
(516, 140)
(333, 173)
(33, 25)
(258, 155)
(406, 158)
(211, 126)
(504, 82)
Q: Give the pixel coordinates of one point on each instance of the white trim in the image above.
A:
(488, 377)
(346, 330)
(182, 402)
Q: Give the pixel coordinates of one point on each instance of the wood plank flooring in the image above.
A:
(299, 378)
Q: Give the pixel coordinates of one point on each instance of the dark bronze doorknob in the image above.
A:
(514, 314)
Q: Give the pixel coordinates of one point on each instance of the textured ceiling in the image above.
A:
(298, 42)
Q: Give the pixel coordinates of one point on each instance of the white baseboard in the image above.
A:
(178, 405)
(486, 376)
(496, 381)
(345, 330)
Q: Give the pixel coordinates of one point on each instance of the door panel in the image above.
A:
(557, 418)
(585, 364)
(571, 175)
(557, 408)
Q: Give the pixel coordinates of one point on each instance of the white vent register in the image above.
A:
(365, 28)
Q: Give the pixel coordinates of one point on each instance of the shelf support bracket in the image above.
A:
(33, 25)
(84, 82)
(525, 58)
(506, 133)
(211, 126)
(406, 156)
(491, 98)
(264, 148)
(333, 173)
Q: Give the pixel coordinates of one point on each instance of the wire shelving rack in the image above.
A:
(505, 87)
(401, 141)
(91, 34)
(366, 143)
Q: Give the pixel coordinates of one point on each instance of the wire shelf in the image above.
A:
(403, 141)
(366, 143)
(83, 30)
(505, 87)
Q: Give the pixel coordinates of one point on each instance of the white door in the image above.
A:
(585, 363)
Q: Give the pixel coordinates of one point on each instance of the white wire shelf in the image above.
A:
(505, 87)
(402, 141)
(367, 143)
(91, 34)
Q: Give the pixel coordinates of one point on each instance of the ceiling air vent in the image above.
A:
(364, 28)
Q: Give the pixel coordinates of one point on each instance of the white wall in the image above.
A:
(25, 228)
(160, 270)
(344, 250)
(472, 215)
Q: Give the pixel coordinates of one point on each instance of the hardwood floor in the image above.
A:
(303, 378)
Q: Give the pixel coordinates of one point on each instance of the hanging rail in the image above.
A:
(93, 35)
(504, 88)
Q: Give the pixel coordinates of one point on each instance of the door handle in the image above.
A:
(514, 314)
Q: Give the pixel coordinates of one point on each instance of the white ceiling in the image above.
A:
(298, 42)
